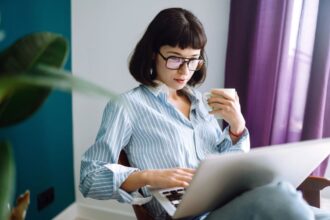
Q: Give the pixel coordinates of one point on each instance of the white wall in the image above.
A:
(104, 32)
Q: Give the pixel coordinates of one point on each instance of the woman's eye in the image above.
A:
(175, 59)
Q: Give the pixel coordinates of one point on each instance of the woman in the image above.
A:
(165, 129)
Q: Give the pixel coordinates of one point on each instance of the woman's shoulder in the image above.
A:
(134, 95)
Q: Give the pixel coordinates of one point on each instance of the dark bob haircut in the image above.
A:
(173, 27)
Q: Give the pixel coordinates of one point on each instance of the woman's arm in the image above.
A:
(160, 178)
(230, 110)
(100, 175)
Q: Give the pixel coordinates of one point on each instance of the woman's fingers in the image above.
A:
(184, 177)
(189, 170)
(214, 102)
(220, 103)
(179, 182)
(220, 106)
(177, 177)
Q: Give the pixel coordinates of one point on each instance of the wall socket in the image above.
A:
(45, 198)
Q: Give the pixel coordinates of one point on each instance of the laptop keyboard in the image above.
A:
(174, 196)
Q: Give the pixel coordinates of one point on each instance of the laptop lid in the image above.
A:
(220, 178)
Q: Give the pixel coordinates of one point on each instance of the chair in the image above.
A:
(311, 188)
(140, 212)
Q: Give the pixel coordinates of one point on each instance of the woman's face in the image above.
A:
(175, 79)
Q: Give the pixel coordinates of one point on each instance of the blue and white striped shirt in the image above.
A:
(154, 135)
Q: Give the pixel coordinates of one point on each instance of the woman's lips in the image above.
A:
(181, 81)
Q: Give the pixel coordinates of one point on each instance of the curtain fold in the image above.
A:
(317, 116)
(276, 68)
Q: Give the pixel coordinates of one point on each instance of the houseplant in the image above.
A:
(29, 70)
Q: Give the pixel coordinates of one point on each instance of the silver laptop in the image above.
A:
(220, 178)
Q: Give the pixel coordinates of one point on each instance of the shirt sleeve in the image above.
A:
(242, 145)
(100, 175)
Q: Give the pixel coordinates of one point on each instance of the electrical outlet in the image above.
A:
(45, 198)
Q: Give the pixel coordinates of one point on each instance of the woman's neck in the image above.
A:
(175, 94)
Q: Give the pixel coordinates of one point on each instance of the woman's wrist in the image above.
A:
(135, 181)
(144, 177)
(236, 132)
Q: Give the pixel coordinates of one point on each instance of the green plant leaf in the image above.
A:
(27, 52)
(7, 178)
(20, 101)
(42, 77)
(22, 57)
(30, 69)
(62, 80)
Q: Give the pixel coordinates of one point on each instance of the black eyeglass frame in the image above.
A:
(185, 60)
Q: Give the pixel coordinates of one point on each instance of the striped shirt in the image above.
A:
(154, 135)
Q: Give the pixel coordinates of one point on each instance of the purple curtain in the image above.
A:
(317, 116)
(274, 64)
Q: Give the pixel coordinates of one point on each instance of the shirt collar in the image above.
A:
(159, 89)
(162, 90)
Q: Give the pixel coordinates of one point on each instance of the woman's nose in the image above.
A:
(184, 68)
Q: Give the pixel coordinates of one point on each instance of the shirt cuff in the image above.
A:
(133, 198)
(242, 144)
(121, 173)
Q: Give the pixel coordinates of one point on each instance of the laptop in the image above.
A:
(220, 178)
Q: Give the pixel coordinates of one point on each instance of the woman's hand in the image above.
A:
(161, 178)
(166, 178)
(229, 109)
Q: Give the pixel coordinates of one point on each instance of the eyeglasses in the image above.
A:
(175, 63)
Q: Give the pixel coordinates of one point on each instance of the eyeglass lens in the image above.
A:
(176, 62)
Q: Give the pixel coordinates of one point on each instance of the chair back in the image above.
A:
(311, 188)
